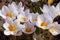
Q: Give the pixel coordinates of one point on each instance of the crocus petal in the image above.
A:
(2, 15)
(20, 8)
(52, 13)
(20, 4)
(34, 0)
(5, 9)
(9, 20)
(56, 30)
(6, 32)
(14, 4)
(13, 9)
(6, 25)
(27, 11)
(48, 18)
(45, 9)
(54, 33)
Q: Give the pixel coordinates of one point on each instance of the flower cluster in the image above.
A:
(18, 19)
(52, 11)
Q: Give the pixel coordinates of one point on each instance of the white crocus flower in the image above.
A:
(29, 28)
(34, 0)
(24, 16)
(10, 11)
(11, 28)
(55, 28)
(33, 18)
(43, 21)
(37, 37)
(51, 10)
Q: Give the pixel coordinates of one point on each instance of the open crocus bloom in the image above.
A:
(34, 0)
(24, 16)
(29, 28)
(55, 28)
(43, 21)
(33, 18)
(11, 28)
(37, 37)
(51, 10)
(10, 11)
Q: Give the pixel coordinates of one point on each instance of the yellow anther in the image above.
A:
(44, 24)
(28, 29)
(12, 27)
(9, 14)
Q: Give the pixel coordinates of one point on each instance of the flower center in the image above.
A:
(35, 19)
(28, 29)
(24, 19)
(44, 24)
(53, 28)
(12, 27)
(50, 1)
(9, 14)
